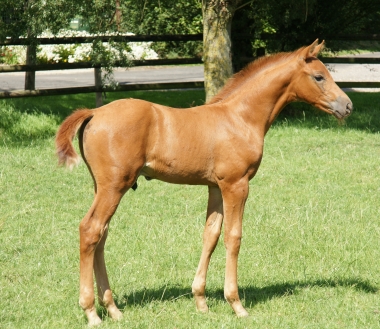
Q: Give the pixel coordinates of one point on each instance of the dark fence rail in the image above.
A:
(171, 37)
(336, 37)
(157, 62)
(146, 38)
(80, 90)
(102, 38)
(350, 60)
(143, 86)
(73, 66)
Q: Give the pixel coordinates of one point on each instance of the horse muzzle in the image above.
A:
(342, 107)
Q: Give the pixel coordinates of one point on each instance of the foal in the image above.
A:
(219, 144)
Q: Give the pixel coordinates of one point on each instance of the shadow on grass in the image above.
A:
(365, 115)
(62, 106)
(59, 106)
(35, 118)
(252, 295)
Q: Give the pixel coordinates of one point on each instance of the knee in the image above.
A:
(198, 287)
(86, 300)
(212, 234)
(231, 295)
(232, 240)
(106, 300)
(213, 226)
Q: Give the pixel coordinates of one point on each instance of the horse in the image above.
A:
(219, 144)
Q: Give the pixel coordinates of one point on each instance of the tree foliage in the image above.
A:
(294, 22)
(165, 17)
(297, 23)
(32, 17)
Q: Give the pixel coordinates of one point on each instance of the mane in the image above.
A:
(251, 70)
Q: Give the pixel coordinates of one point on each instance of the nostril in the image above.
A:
(349, 107)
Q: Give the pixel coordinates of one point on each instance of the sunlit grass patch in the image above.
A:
(310, 248)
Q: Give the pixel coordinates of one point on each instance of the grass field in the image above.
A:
(311, 231)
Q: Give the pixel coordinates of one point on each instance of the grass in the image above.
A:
(310, 251)
(23, 119)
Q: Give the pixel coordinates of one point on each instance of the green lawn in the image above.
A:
(310, 251)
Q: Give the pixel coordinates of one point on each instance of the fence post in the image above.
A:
(30, 76)
(98, 85)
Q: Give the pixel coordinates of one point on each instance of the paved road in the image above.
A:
(356, 72)
(85, 77)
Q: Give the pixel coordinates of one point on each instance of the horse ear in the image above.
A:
(313, 49)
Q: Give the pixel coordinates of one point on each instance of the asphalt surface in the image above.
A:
(85, 77)
(137, 75)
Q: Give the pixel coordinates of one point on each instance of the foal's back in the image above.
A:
(173, 145)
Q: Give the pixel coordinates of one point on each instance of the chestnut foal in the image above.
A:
(219, 144)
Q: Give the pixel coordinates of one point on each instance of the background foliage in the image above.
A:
(166, 17)
(294, 22)
(32, 17)
(298, 22)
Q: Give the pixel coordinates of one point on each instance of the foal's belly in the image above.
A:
(177, 172)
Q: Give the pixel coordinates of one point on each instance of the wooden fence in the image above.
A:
(98, 89)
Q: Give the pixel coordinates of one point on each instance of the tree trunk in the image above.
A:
(118, 15)
(217, 55)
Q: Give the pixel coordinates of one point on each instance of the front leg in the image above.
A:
(234, 198)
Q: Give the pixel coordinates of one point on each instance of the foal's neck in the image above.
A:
(262, 97)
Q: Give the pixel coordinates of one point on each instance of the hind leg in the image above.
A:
(102, 283)
(93, 232)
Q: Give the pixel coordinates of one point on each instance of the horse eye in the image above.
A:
(319, 78)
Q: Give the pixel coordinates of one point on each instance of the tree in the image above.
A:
(217, 51)
(20, 18)
(165, 17)
(29, 19)
(214, 17)
(294, 22)
(297, 23)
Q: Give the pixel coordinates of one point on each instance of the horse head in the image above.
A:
(315, 85)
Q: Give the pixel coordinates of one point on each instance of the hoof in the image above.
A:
(115, 313)
(239, 309)
(203, 309)
(93, 318)
(201, 305)
(94, 322)
(242, 314)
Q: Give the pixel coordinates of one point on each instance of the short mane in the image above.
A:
(252, 69)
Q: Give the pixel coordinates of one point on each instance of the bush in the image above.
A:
(74, 53)
(8, 56)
